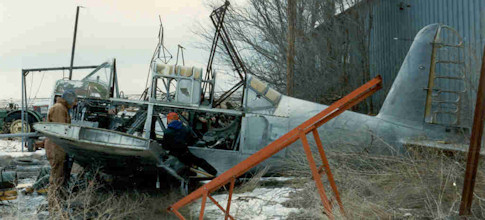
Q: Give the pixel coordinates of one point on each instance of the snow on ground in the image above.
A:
(261, 203)
(36, 154)
(13, 148)
(10, 146)
(25, 206)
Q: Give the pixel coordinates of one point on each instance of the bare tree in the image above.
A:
(331, 46)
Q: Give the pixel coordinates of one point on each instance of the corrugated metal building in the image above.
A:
(394, 24)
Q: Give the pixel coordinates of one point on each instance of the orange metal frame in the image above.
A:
(287, 139)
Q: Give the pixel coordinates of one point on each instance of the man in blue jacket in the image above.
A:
(177, 138)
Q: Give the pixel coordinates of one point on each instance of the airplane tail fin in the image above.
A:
(430, 86)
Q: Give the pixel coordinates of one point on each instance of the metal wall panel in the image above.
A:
(393, 31)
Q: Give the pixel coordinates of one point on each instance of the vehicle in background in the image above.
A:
(11, 118)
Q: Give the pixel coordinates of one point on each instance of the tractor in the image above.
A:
(11, 118)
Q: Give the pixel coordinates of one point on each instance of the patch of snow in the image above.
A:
(27, 205)
(277, 178)
(10, 146)
(264, 179)
(30, 180)
(23, 154)
(261, 203)
(13, 149)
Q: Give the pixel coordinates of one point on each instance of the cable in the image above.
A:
(37, 92)
(31, 85)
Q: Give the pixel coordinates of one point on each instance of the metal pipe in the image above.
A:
(74, 43)
(59, 68)
(23, 106)
(22, 135)
(475, 145)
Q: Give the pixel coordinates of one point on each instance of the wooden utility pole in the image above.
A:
(290, 53)
(74, 42)
(475, 145)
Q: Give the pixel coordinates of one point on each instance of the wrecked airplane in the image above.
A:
(104, 133)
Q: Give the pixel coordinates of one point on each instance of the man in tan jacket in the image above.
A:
(58, 113)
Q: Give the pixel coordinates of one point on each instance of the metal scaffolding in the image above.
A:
(25, 73)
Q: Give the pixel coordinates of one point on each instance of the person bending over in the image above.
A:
(176, 139)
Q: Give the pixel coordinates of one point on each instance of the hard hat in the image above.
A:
(172, 116)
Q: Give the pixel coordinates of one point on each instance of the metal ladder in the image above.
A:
(444, 95)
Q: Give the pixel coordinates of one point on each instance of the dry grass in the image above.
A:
(424, 184)
(251, 183)
(94, 200)
(88, 200)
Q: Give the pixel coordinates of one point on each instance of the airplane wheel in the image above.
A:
(16, 127)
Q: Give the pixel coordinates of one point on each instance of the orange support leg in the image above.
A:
(202, 206)
(229, 197)
(326, 165)
(220, 207)
(316, 175)
(177, 213)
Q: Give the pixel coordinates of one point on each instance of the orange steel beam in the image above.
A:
(316, 175)
(202, 206)
(220, 207)
(308, 126)
(229, 197)
(178, 214)
(326, 165)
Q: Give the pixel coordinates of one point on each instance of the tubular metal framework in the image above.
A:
(217, 18)
(25, 72)
(298, 133)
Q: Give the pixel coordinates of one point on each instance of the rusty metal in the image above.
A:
(316, 175)
(217, 17)
(326, 165)
(287, 139)
(202, 205)
(229, 198)
(475, 145)
(436, 94)
(220, 207)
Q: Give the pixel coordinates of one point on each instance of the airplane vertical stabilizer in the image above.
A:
(405, 102)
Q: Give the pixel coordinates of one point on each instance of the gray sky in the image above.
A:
(39, 34)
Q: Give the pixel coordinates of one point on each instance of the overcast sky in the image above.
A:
(37, 34)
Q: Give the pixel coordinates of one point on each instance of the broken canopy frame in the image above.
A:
(113, 84)
(289, 138)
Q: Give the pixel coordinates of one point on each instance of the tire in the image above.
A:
(16, 127)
